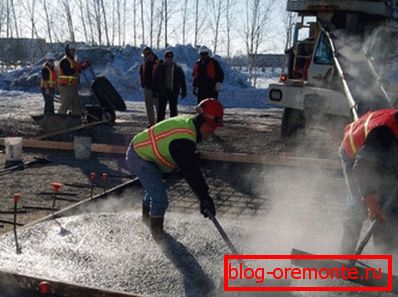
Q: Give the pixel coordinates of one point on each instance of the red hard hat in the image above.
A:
(212, 110)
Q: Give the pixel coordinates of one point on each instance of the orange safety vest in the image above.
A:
(51, 83)
(355, 134)
(210, 69)
(69, 79)
(154, 67)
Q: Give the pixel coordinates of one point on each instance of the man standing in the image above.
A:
(207, 76)
(68, 81)
(147, 73)
(48, 83)
(169, 81)
(168, 145)
(369, 154)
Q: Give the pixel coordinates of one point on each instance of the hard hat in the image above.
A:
(168, 52)
(203, 50)
(212, 110)
(69, 46)
(49, 56)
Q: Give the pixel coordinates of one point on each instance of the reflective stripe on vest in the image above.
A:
(52, 80)
(153, 144)
(68, 79)
(355, 134)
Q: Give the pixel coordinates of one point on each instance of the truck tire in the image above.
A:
(292, 119)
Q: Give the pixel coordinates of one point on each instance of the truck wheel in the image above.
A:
(292, 119)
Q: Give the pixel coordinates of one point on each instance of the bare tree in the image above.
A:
(184, 20)
(196, 22)
(15, 18)
(69, 19)
(83, 19)
(142, 21)
(30, 6)
(229, 18)
(135, 22)
(48, 20)
(217, 9)
(166, 18)
(160, 16)
(90, 22)
(105, 23)
(151, 20)
(98, 20)
(124, 21)
(257, 16)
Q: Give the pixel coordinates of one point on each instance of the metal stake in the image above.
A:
(16, 200)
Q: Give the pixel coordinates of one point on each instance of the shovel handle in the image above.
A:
(222, 232)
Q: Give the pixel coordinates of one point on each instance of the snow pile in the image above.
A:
(121, 67)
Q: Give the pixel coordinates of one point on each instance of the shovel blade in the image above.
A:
(363, 273)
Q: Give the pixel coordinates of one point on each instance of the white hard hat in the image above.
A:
(49, 56)
(203, 49)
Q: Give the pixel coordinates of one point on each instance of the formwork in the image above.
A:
(100, 247)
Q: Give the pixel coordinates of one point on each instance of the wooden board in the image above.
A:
(214, 156)
(17, 282)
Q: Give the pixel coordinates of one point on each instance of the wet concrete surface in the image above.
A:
(264, 210)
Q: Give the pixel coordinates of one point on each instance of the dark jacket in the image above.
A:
(207, 73)
(183, 153)
(147, 72)
(160, 84)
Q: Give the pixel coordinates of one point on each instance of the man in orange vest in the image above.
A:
(48, 83)
(207, 76)
(369, 154)
(166, 146)
(68, 81)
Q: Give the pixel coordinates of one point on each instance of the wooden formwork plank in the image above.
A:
(18, 282)
(214, 156)
(72, 129)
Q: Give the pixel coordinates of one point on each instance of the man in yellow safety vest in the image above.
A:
(48, 83)
(169, 145)
(68, 81)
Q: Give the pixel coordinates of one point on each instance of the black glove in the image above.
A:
(183, 95)
(207, 205)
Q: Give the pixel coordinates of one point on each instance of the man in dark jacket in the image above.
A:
(147, 74)
(207, 76)
(169, 145)
(369, 154)
(169, 81)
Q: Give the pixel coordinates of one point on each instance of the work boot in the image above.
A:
(145, 214)
(157, 228)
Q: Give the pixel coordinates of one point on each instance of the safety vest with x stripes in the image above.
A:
(355, 134)
(153, 143)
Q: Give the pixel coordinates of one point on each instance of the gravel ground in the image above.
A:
(265, 210)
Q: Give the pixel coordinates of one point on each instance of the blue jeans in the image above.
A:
(151, 179)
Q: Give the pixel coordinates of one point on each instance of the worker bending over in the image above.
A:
(369, 154)
(169, 145)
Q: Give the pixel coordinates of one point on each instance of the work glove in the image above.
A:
(195, 91)
(218, 87)
(207, 205)
(372, 202)
(183, 95)
(47, 91)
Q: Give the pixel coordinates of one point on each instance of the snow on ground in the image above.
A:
(121, 67)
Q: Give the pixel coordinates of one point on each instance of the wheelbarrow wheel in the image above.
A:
(109, 115)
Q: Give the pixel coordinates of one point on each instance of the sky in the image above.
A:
(274, 34)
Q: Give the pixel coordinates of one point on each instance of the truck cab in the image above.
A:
(310, 89)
